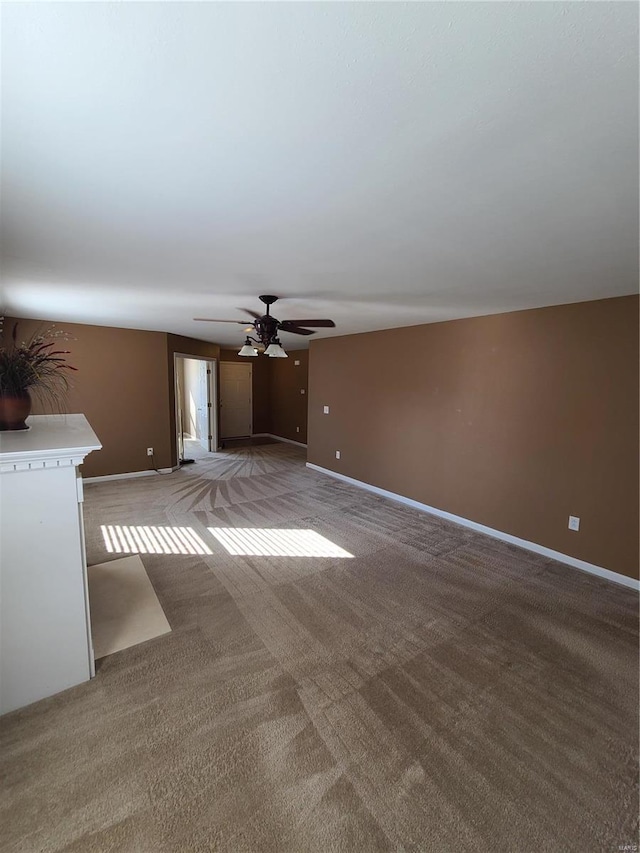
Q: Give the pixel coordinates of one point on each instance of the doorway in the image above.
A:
(196, 396)
(236, 401)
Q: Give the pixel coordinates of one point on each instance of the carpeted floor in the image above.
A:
(439, 691)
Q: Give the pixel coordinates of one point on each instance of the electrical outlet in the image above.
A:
(326, 410)
(337, 454)
(149, 451)
(297, 429)
(296, 363)
(574, 522)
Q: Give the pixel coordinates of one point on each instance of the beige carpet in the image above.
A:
(437, 691)
(125, 610)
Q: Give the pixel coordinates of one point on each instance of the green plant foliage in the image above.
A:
(36, 365)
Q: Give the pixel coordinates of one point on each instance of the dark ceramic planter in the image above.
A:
(14, 410)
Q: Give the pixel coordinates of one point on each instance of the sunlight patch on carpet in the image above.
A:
(129, 539)
(258, 542)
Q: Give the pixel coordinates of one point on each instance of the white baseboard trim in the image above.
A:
(277, 438)
(488, 531)
(128, 476)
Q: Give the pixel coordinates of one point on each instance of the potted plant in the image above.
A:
(34, 365)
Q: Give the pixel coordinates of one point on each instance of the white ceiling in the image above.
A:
(382, 164)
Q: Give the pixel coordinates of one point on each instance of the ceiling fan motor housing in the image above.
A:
(266, 328)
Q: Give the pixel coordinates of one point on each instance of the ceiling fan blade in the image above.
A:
(253, 314)
(326, 324)
(211, 320)
(295, 330)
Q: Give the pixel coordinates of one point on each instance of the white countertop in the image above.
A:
(64, 439)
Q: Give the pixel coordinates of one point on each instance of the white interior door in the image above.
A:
(196, 399)
(204, 406)
(196, 396)
(235, 399)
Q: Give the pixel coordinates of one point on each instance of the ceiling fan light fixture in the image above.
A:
(248, 349)
(266, 327)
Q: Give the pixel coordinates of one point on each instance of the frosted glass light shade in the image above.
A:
(248, 350)
(275, 351)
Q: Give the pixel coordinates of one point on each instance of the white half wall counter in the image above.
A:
(45, 630)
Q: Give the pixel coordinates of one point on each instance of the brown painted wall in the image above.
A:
(287, 405)
(515, 421)
(182, 402)
(259, 387)
(121, 387)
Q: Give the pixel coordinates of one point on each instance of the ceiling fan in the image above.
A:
(266, 328)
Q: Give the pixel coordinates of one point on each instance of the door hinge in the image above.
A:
(208, 372)
(210, 438)
(209, 405)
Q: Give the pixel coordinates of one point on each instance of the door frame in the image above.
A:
(246, 364)
(212, 402)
